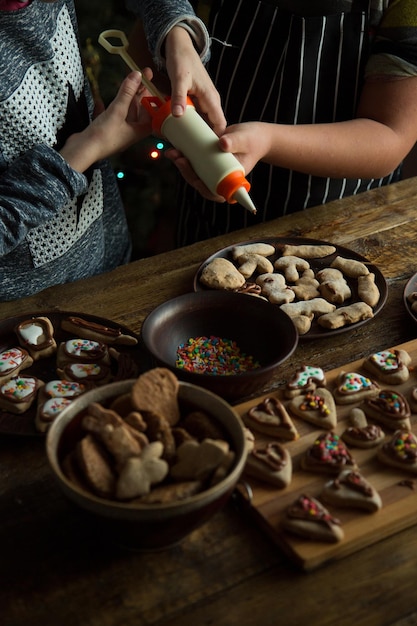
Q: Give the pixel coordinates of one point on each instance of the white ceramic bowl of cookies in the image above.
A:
(146, 526)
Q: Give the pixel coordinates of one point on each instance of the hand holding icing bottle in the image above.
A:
(220, 171)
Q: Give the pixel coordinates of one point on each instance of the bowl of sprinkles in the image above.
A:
(222, 341)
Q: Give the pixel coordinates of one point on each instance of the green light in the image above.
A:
(160, 145)
(120, 175)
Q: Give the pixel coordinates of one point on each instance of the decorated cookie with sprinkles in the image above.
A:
(317, 407)
(271, 418)
(12, 361)
(353, 387)
(18, 393)
(53, 398)
(400, 451)
(389, 408)
(389, 366)
(80, 350)
(92, 373)
(306, 378)
(328, 454)
(309, 518)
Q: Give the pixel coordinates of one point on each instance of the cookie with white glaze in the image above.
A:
(389, 408)
(270, 417)
(36, 335)
(307, 517)
(316, 407)
(18, 394)
(271, 463)
(53, 398)
(12, 361)
(400, 451)
(389, 366)
(306, 378)
(352, 387)
(351, 490)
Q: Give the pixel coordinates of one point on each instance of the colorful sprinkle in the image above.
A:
(213, 355)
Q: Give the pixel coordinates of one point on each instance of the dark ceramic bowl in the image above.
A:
(259, 329)
(146, 526)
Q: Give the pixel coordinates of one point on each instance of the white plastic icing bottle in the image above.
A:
(220, 171)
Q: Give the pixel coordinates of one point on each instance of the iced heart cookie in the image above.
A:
(271, 418)
(316, 407)
(37, 336)
(400, 451)
(307, 378)
(92, 373)
(389, 366)
(308, 518)
(327, 454)
(351, 489)
(12, 361)
(353, 387)
(360, 434)
(271, 463)
(18, 393)
(389, 408)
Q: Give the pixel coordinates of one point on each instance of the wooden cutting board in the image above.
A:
(398, 489)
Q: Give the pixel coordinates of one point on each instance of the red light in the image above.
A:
(154, 154)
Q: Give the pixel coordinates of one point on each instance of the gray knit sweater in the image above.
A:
(57, 225)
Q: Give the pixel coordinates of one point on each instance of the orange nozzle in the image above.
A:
(230, 184)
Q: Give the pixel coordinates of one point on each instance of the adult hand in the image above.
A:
(188, 76)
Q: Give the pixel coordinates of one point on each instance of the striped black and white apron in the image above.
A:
(274, 65)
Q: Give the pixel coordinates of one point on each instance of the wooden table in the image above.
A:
(56, 571)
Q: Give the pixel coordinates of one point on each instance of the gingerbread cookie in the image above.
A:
(271, 463)
(389, 366)
(360, 434)
(389, 408)
(271, 418)
(400, 451)
(37, 336)
(156, 391)
(18, 393)
(353, 387)
(53, 398)
(317, 407)
(87, 329)
(222, 274)
(12, 361)
(139, 473)
(350, 489)
(308, 518)
(307, 378)
(327, 454)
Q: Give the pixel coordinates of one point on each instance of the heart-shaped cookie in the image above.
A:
(327, 454)
(308, 518)
(400, 451)
(271, 418)
(389, 408)
(353, 387)
(271, 463)
(351, 489)
(389, 366)
(317, 407)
